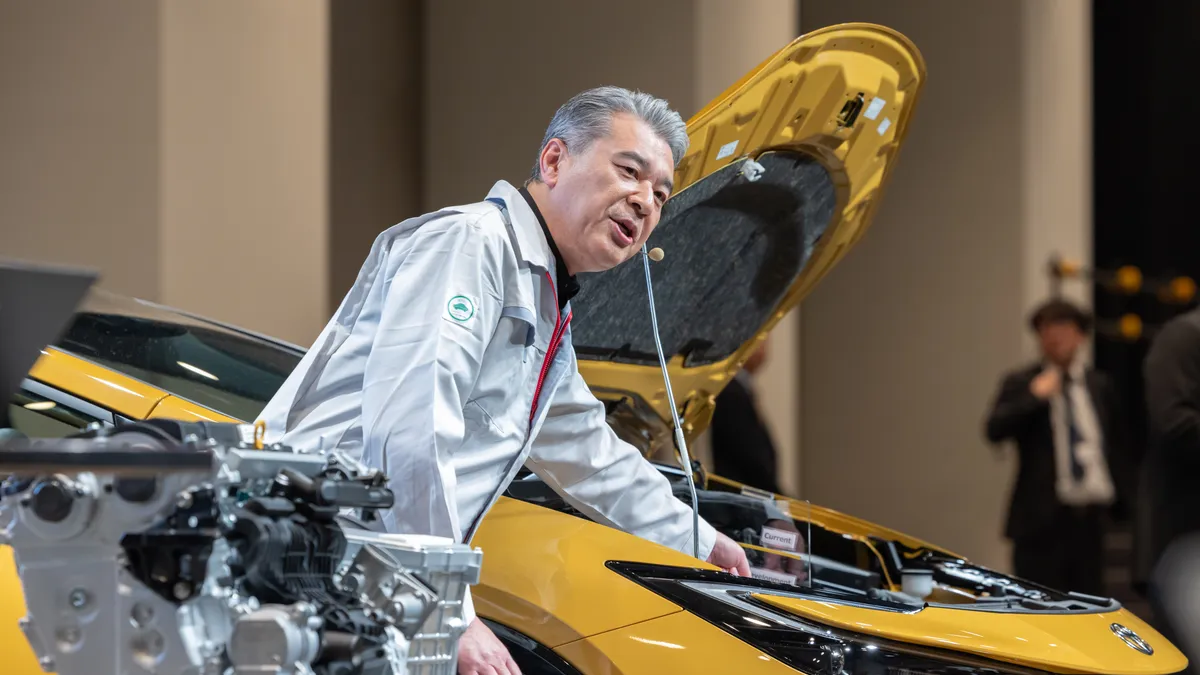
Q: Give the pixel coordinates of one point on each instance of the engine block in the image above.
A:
(168, 548)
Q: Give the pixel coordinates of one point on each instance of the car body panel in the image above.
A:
(176, 408)
(95, 383)
(791, 101)
(18, 657)
(577, 596)
(676, 643)
(1065, 643)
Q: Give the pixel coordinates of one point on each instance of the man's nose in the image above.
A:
(642, 199)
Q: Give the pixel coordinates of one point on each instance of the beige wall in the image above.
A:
(496, 72)
(376, 75)
(903, 344)
(244, 163)
(177, 147)
(79, 146)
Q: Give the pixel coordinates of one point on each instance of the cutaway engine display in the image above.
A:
(175, 547)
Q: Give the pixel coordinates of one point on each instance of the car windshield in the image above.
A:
(230, 371)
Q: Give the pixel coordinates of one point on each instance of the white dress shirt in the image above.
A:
(1096, 487)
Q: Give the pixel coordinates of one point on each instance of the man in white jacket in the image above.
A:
(449, 364)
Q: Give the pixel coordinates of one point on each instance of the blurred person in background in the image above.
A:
(1067, 424)
(1168, 532)
(742, 448)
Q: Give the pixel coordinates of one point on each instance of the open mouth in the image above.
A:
(623, 232)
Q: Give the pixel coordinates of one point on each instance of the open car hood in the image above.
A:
(783, 175)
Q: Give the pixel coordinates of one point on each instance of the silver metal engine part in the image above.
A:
(402, 598)
(143, 554)
(84, 607)
(275, 640)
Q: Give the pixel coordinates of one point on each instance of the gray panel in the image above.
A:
(36, 302)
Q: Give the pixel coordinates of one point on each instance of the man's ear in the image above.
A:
(552, 158)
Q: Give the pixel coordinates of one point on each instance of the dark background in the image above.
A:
(1146, 144)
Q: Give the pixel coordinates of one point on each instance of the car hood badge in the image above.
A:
(1132, 639)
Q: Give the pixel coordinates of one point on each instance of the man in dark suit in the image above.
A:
(1168, 531)
(742, 448)
(1066, 422)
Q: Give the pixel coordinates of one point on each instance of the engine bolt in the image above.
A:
(182, 590)
(78, 598)
(69, 637)
(142, 615)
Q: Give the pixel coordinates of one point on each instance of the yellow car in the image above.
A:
(785, 171)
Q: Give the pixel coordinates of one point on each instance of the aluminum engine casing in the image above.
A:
(196, 552)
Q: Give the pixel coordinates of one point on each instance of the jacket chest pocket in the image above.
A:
(512, 367)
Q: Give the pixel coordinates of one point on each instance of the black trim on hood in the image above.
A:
(807, 646)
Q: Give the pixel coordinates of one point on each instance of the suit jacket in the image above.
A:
(741, 444)
(1169, 504)
(1019, 416)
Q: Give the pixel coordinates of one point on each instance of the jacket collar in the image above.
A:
(532, 246)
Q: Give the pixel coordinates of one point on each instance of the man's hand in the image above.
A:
(1046, 384)
(480, 652)
(729, 556)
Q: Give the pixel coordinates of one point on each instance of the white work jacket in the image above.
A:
(429, 369)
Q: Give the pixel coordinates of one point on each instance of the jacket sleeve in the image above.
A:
(1172, 372)
(582, 459)
(1014, 409)
(439, 311)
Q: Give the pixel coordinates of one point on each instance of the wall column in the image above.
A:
(731, 39)
(1057, 147)
(244, 163)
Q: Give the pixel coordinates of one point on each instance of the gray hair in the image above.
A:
(588, 116)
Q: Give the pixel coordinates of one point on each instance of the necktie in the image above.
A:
(1074, 438)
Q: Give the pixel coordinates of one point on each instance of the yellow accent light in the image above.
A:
(1129, 279)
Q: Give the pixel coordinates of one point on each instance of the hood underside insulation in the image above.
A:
(733, 249)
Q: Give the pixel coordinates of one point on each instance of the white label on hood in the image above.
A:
(772, 575)
(883, 126)
(757, 494)
(727, 149)
(779, 539)
(875, 108)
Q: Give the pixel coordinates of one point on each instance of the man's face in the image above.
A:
(607, 199)
(1060, 341)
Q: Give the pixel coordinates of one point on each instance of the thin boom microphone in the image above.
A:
(679, 440)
